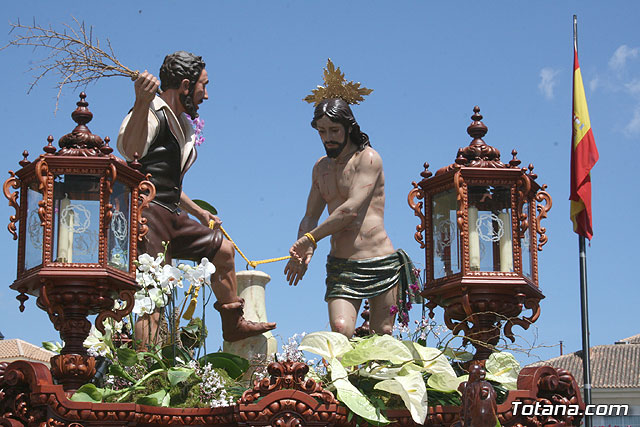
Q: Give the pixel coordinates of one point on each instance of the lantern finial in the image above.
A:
(106, 149)
(49, 148)
(24, 162)
(81, 142)
(477, 129)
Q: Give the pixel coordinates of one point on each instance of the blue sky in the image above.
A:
(429, 63)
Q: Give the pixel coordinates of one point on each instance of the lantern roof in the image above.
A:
(478, 154)
(81, 141)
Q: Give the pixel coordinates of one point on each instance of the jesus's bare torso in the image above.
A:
(364, 237)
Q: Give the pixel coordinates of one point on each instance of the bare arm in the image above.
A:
(134, 138)
(368, 169)
(315, 207)
(204, 216)
(300, 258)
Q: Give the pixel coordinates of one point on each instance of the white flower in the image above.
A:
(158, 297)
(202, 273)
(208, 268)
(144, 304)
(95, 342)
(144, 262)
(170, 277)
(145, 279)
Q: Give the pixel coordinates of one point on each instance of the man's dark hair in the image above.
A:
(178, 66)
(338, 111)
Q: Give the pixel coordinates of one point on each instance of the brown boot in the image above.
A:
(234, 326)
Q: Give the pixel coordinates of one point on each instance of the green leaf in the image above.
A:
(206, 206)
(48, 345)
(463, 356)
(178, 375)
(158, 398)
(326, 344)
(170, 352)
(377, 347)
(443, 381)
(352, 397)
(88, 393)
(430, 358)
(127, 356)
(412, 390)
(166, 401)
(379, 372)
(234, 365)
(119, 371)
(503, 368)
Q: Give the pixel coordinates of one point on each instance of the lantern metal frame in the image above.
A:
(481, 303)
(69, 291)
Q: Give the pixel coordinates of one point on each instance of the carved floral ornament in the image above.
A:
(28, 397)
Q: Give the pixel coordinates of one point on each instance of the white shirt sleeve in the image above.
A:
(152, 131)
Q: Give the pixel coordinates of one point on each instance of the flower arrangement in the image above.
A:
(370, 375)
(166, 374)
(198, 127)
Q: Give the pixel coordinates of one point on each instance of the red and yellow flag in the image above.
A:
(584, 155)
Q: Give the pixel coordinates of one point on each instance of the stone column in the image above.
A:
(251, 287)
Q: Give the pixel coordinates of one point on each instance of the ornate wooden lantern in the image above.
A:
(79, 215)
(481, 237)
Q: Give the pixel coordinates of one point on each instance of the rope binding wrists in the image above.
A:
(313, 240)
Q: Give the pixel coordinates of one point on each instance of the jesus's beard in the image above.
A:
(332, 153)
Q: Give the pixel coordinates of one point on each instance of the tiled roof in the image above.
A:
(612, 366)
(632, 340)
(16, 348)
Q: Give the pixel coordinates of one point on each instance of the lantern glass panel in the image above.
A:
(34, 228)
(76, 219)
(118, 240)
(490, 237)
(446, 235)
(525, 244)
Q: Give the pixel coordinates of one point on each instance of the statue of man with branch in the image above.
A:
(158, 131)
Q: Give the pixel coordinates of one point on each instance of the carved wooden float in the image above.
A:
(28, 397)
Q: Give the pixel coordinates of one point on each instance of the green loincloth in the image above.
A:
(367, 278)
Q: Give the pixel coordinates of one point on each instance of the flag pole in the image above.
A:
(584, 304)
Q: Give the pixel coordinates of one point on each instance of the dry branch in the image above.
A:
(73, 55)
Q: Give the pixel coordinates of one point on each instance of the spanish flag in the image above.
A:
(584, 155)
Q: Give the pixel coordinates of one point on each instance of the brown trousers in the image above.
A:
(188, 239)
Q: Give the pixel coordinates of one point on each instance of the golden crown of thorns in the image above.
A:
(335, 86)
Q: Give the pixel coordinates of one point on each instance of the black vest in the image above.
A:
(163, 162)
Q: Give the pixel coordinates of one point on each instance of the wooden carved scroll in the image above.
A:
(128, 298)
(418, 194)
(145, 186)
(542, 196)
(12, 182)
(523, 186)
